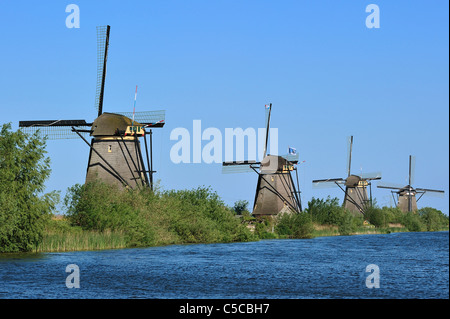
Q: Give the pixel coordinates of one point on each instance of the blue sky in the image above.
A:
(327, 75)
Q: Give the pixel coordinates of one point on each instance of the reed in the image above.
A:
(62, 238)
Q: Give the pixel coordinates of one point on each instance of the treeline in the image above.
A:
(329, 214)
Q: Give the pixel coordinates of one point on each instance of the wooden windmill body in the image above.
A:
(115, 155)
(110, 146)
(275, 189)
(407, 198)
(355, 187)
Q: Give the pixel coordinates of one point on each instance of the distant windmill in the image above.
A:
(356, 198)
(406, 196)
(275, 190)
(115, 154)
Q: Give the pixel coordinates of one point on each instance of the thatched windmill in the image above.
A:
(354, 186)
(115, 152)
(275, 190)
(406, 196)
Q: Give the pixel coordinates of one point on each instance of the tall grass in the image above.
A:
(60, 236)
(86, 240)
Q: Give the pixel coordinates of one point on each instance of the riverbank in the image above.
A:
(99, 216)
(61, 237)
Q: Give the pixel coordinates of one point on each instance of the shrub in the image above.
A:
(376, 216)
(433, 219)
(154, 218)
(325, 212)
(329, 212)
(295, 225)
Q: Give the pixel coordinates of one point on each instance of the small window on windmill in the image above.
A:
(109, 149)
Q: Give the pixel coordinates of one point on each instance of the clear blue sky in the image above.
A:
(327, 75)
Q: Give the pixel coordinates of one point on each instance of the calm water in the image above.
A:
(412, 265)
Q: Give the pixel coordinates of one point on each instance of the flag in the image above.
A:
(292, 151)
(267, 106)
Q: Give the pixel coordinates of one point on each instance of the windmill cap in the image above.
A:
(272, 164)
(108, 124)
(352, 181)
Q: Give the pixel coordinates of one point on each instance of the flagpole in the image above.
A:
(134, 107)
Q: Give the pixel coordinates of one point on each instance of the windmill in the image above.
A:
(115, 155)
(275, 191)
(406, 196)
(356, 198)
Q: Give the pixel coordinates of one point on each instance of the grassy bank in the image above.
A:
(61, 237)
(99, 216)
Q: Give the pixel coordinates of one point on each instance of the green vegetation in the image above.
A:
(329, 212)
(60, 235)
(100, 216)
(147, 218)
(24, 210)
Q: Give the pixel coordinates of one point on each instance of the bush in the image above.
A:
(329, 212)
(325, 212)
(377, 216)
(433, 219)
(155, 218)
(295, 225)
(413, 222)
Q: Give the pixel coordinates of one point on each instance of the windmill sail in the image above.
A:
(356, 196)
(370, 176)
(102, 57)
(349, 154)
(268, 111)
(327, 183)
(275, 191)
(115, 151)
(55, 129)
(406, 195)
(150, 118)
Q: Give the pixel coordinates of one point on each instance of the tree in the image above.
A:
(433, 219)
(23, 171)
(240, 207)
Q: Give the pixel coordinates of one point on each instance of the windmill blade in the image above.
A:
(412, 169)
(390, 186)
(371, 176)
(327, 183)
(55, 129)
(102, 57)
(431, 192)
(349, 154)
(239, 167)
(240, 163)
(150, 118)
(268, 111)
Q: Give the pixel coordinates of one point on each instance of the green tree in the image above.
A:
(295, 225)
(433, 219)
(24, 209)
(377, 216)
(241, 207)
